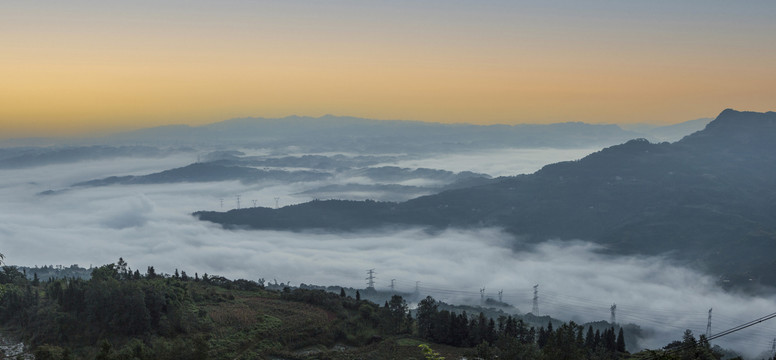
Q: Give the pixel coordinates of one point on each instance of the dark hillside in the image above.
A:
(709, 199)
(122, 314)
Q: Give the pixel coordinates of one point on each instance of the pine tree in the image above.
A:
(621, 341)
(589, 339)
(542, 339)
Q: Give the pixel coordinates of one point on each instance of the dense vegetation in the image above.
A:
(123, 314)
(708, 199)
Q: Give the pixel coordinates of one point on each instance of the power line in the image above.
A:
(742, 326)
(723, 333)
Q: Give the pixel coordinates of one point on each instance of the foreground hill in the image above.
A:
(123, 314)
(709, 199)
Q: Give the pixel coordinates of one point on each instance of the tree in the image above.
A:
(689, 345)
(427, 311)
(151, 272)
(342, 292)
(122, 268)
(105, 272)
(395, 313)
(589, 340)
(621, 341)
(490, 334)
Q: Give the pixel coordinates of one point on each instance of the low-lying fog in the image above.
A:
(152, 225)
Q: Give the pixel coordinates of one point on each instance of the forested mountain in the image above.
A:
(122, 314)
(709, 199)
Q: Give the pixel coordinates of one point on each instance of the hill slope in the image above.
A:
(707, 199)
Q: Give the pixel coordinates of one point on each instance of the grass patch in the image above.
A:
(408, 342)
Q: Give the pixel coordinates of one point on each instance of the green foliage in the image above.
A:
(119, 314)
(430, 354)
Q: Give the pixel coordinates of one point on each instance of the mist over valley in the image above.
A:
(91, 204)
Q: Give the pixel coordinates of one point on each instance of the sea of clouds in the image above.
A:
(151, 225)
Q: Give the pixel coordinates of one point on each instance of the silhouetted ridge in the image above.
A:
(739, 121)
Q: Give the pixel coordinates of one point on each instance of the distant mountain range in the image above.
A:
(328, 133)
(709, 199)
(340, 133)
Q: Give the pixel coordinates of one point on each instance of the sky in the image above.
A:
(82, 66)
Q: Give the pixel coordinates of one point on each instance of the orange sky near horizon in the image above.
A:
(92, 67)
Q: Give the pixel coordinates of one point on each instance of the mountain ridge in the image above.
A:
(707, 199)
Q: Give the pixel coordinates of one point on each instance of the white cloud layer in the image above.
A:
(501, 162)
(151, 225)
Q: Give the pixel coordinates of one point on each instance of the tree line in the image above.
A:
(120, 313)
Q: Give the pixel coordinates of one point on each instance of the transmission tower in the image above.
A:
(482, 297)
(613, 309)
(277, 202)
(535, 309)
(773, 347)
(254, 202)
(708, 326)
(222, 203)
(238, 201)
(393, 284)
(500, 294)
(370, 284)
(417, 287)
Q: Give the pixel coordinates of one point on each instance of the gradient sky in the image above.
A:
(69, 67)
